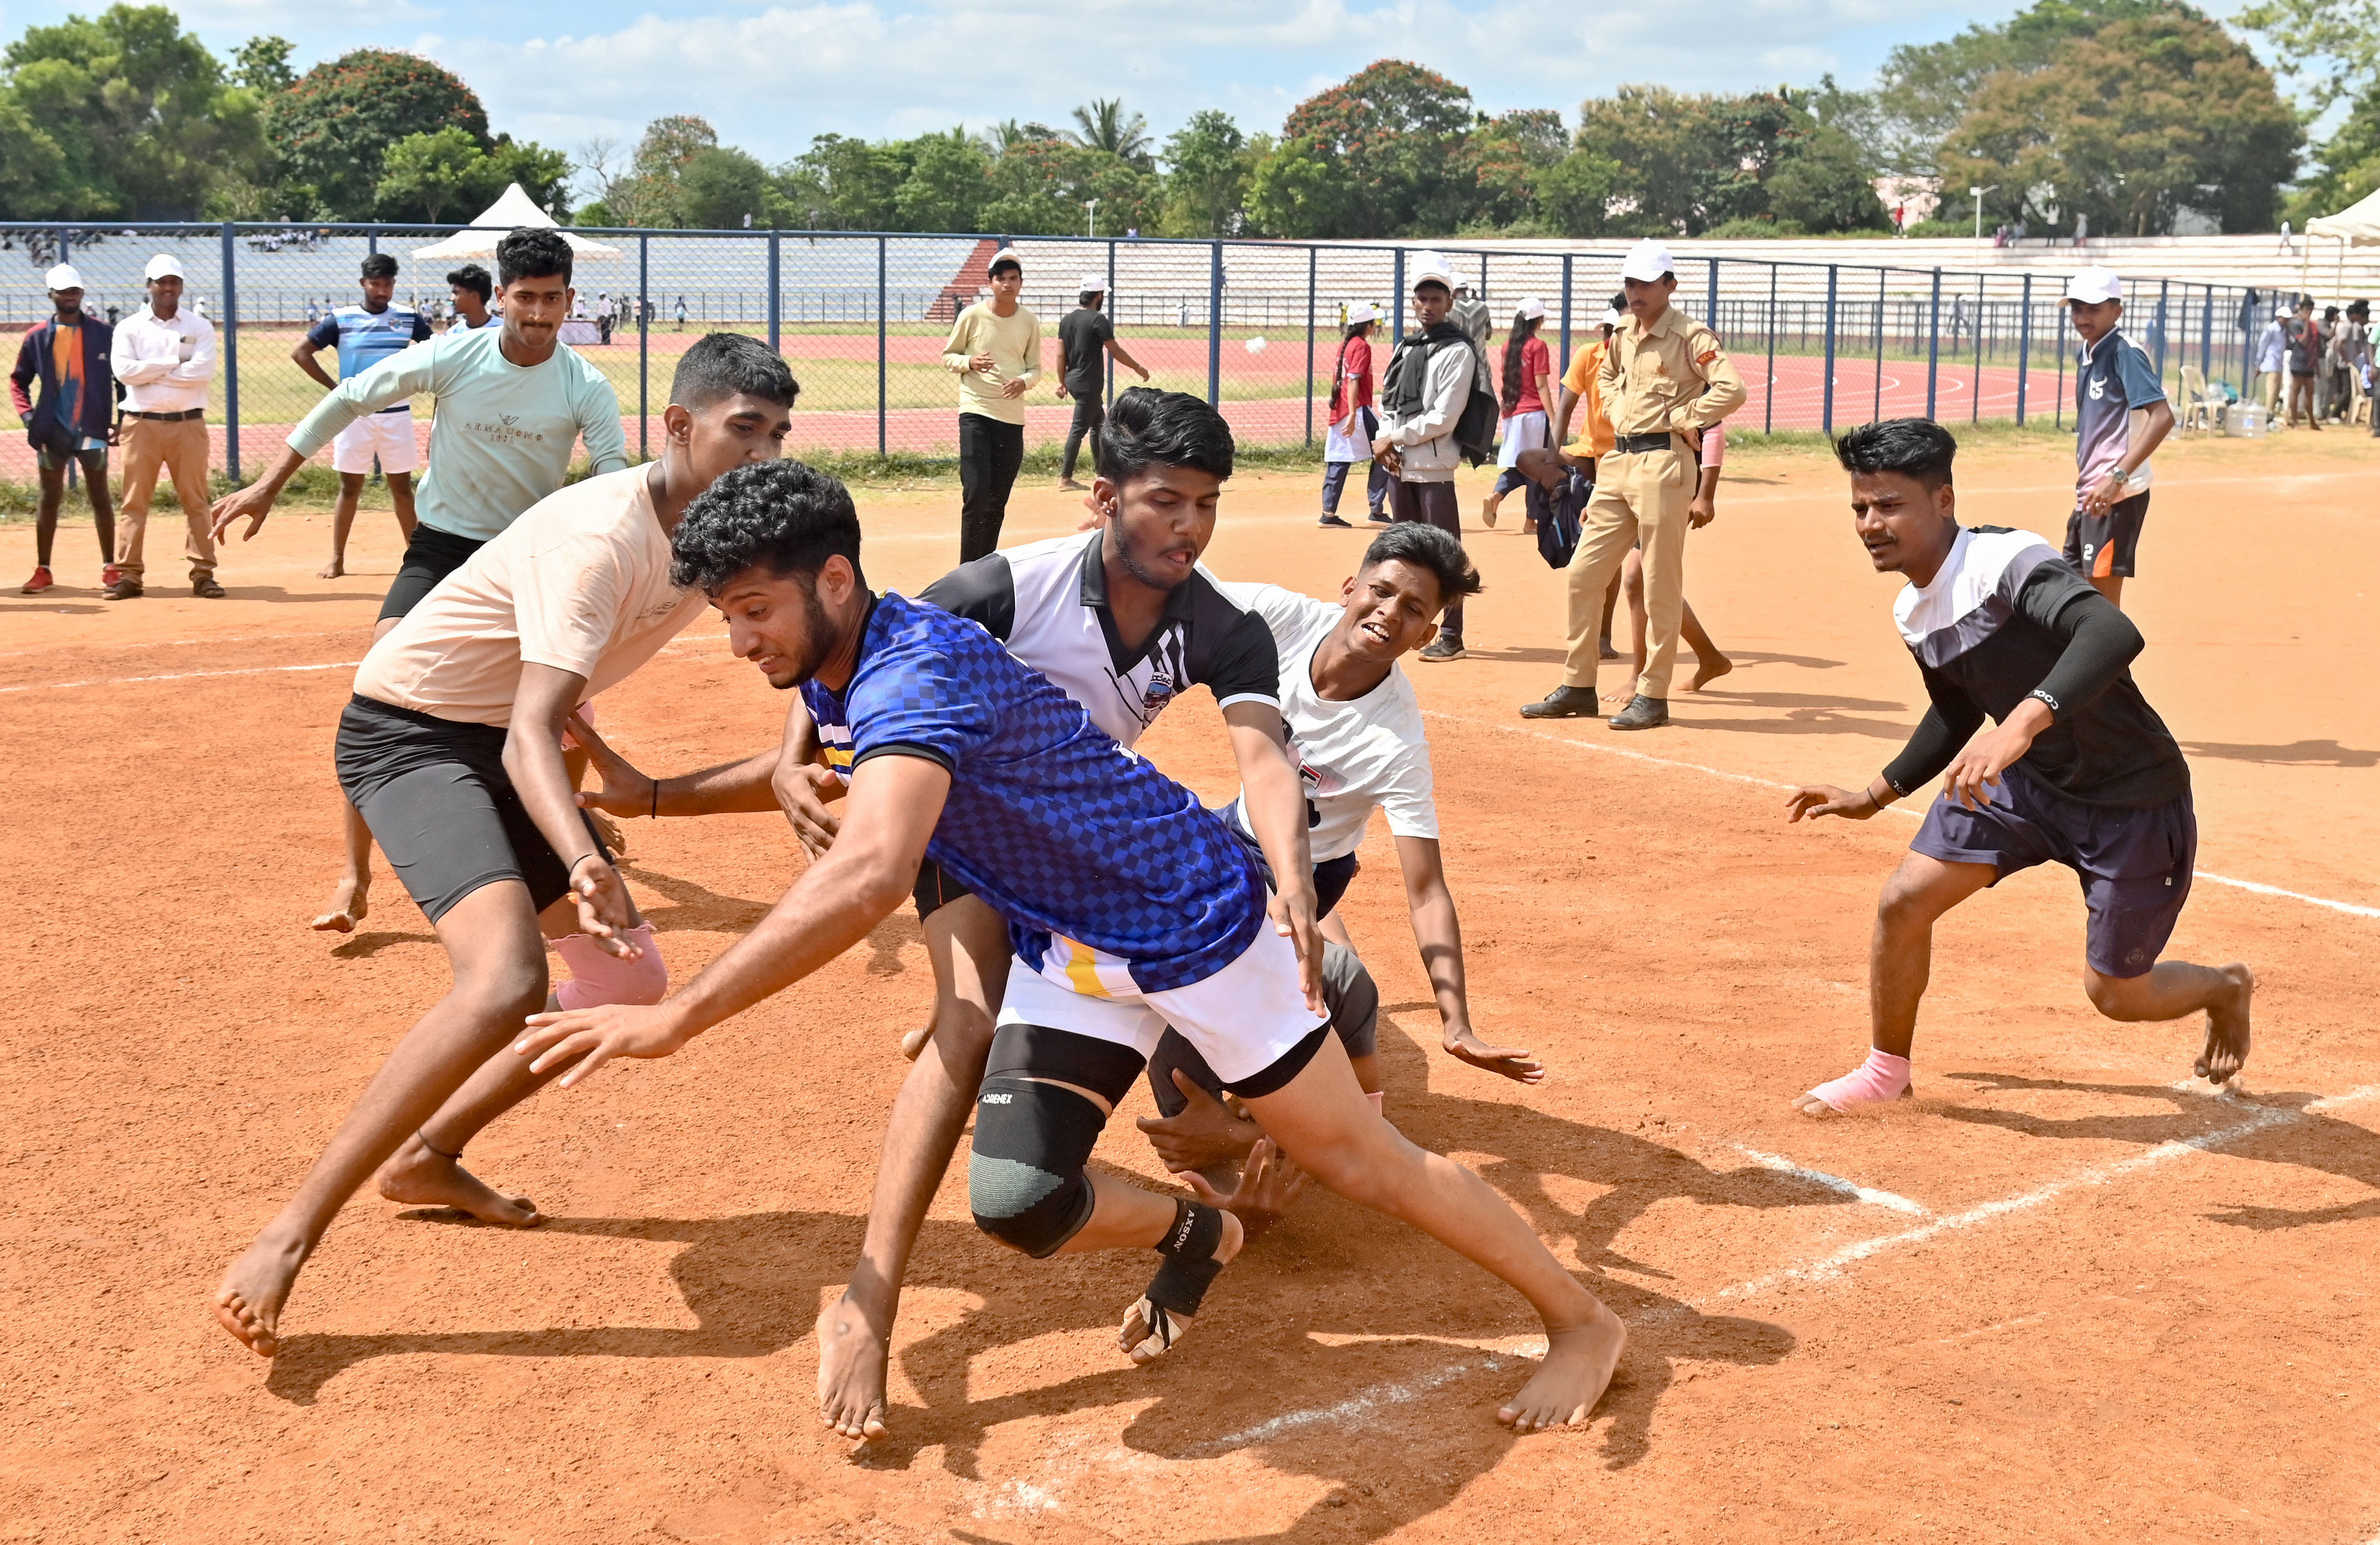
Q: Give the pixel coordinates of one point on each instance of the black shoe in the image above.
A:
(1563, 702)
(1642, 713)
(1377, 518)
(206, 589)
(123, 590)
(1448, 647)
(1335, 523)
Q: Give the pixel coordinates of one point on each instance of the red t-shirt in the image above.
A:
(1353, 388)
(1536, 360)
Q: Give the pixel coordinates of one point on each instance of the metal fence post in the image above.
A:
(1883, 304)
(1565, 321)
(1827, 416)
(1933, 343)
(776, 288)
(1398, 304)
(372, 239)
(2023, 347)
(644, 336)
(230, 350)
(1710, 302)
(1768, 383)
(2058, 419)
(2207, 335)
(883, 289)
(1215, 325)
(1975, 389)
(2164, 288)
(1110, 371)
(1313, 258)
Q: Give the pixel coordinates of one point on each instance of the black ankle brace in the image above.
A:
(1190, 1265)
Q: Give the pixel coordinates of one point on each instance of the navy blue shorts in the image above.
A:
(2135, 865)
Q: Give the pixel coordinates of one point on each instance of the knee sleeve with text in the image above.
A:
(1024, 1183)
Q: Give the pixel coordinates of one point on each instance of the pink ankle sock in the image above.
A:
(1377, 1097)
(1882, 1078)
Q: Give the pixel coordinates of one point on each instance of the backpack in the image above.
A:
(1475, 431)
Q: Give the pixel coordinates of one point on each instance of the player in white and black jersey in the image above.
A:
(2080, 770)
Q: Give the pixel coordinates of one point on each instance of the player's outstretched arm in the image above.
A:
(254, 502)
(1438, 931)
(729, 788)
(1813, 799)
(1275, 801)
(895, 799)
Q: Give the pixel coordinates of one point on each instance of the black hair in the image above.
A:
(1003, 260)
(2328, 312)
(380, 265)
(1426, 547)
(783, 516)
(474, 278)
(1619, 301)
(1524, 329)
(2359, 307)
(1088, 295)
(1918, 448)
(532, 253)
(731, 364)
(1355, 330)
(1149, 426)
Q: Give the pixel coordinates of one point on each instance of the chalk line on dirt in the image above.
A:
(2257, 887)
(1836, 1183)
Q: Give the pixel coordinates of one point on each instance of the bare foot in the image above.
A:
(1067, 485)
(2227, 1029)
(419, 1178)
(913, 1042)
(1515, 1063)
(1707, 670)
(1604, 651)
(335, 568)
(1148, 1332)
(349, 906)
(851, 1372)
(1578, 1366)
(249, 1303)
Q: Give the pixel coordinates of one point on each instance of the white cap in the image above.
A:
(63, 277)
(2095, 284)
(1647, 260)
(1531, 307)
(1005, 255)
(1611, 318)
(1363, 311)
(1093, 283)
(165, 265)
(1428, 266)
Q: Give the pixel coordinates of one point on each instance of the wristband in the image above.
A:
(1898, 792)
(2041, 696)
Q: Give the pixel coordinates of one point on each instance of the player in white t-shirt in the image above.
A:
(482, 823)
(1356, 731)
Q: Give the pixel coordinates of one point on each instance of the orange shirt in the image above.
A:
(1592, 435)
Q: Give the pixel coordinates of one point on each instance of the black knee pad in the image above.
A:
(1024, 1183)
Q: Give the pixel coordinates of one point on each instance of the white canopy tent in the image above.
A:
(514, 209)
(2357, 226)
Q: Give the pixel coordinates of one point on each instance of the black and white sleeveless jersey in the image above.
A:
(1048, 602)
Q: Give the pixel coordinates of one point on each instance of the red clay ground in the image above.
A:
(2077, 1303)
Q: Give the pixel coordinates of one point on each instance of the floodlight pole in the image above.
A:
(1091, 220)
(1977, 195)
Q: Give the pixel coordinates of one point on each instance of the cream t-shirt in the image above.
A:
(580, 582)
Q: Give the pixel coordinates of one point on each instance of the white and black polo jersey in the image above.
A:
(1048, 602)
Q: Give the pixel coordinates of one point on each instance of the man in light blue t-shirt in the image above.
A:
(512, 404)
(2120, 416)
(365, 335)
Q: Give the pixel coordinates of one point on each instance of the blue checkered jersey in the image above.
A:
(365, 338)
(1060, 830)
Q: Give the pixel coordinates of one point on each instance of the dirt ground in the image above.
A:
(2059, 1297)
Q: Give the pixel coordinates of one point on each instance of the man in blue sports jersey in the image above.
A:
(2120, 417)
(365, 335)
(1128, 904)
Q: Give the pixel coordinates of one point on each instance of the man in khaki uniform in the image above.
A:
(1664, 381)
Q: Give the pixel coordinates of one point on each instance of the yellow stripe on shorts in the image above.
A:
(1082, 968)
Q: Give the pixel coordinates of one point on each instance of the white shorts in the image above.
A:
(1523, 431)
(1243, 1020)
(388, 436)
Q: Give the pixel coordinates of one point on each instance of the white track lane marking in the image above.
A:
(1836, 1183)
(272, 670)
(2259, 887)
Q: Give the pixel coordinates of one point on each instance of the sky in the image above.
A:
(770, 76)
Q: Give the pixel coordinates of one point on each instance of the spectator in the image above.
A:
(1471, 316)
(471, 286)
(2343, 361)
(365, 335)
(2304, 347)
(681, 313)
(69, 354)
(1086, 339)
(2272, 351)
(1527, 387)
(1352, 422)
(1428, 384)
(165, 355)
(995, 350)
(2287, 245)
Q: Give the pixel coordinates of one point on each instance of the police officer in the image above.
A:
(1664, 381)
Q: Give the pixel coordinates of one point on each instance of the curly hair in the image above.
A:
(1427, 547)
(783, 516)
(1149, 426)
(532, 253)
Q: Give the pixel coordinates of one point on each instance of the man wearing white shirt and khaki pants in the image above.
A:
(164, 355)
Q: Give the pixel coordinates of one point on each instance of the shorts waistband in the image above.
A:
(374, 707)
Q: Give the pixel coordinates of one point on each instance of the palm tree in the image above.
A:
(1104, 126)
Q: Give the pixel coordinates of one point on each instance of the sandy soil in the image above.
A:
(2074, 1301)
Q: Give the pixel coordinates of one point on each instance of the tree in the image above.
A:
(1298, 190)
(333, 127)
(1924, 90)
(1824, 183)
(2333, 43)
(544, 174)
(946, 185)
(2146, 117)
(1511, 154)
(652, 193)
(262, 66)
(1399, 136)
(844, 184)
(1040, 188)
(30, 164)
(1207, 169)
(2349, 162)
(1104, 126)
(1574, 194)
(137, 113)
(426, 177)
(722, 189)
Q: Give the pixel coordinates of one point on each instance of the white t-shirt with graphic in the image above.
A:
(1351, 756)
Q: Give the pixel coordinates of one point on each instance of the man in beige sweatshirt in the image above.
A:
(995, 349)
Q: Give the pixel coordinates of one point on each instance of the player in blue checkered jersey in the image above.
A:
(1129, 906)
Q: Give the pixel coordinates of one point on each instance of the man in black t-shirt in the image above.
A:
(2080, 769)
(1085, 337)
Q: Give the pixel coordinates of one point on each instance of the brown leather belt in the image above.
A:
(168, 417)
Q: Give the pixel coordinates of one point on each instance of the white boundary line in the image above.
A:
(181, 676)
(1836, 1183)
(2259, 887)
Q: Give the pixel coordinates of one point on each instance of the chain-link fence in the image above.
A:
(1254, 327)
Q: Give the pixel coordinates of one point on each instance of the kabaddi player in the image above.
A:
(2080, 770)
(1127, 903)
(451, 748)
(2120, 417)
(365, 335)
(513, 402)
